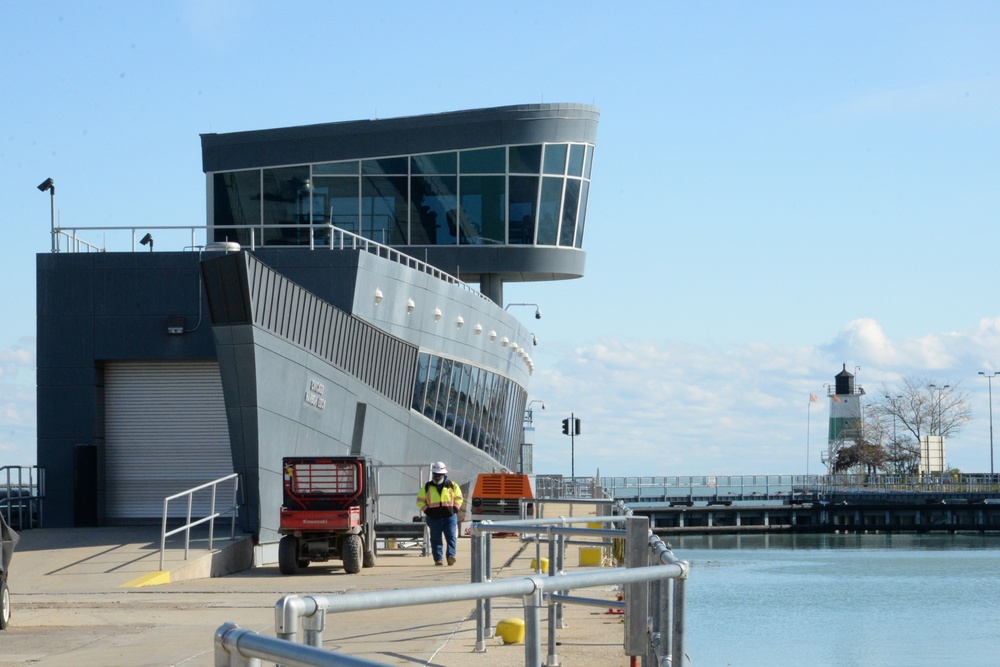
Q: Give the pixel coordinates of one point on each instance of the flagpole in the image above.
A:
(808, 415)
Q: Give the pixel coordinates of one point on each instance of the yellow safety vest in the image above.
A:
(450, 496)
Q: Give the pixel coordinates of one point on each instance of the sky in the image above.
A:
(780, 190)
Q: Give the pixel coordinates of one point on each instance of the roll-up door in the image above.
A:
(165, 433)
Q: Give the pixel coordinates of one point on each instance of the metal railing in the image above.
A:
(749, 487)
(66, 239)
(654, 608)
(212, 487)
(22, 495)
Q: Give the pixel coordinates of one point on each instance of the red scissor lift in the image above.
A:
(328, 512)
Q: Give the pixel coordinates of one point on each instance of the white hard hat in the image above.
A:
(439, 468)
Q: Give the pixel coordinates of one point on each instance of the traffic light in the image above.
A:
(566, 426)
(576, 426)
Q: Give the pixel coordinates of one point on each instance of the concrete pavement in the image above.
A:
(73, 604)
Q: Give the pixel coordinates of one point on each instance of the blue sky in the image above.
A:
(780, 188)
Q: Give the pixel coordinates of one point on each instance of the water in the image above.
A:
(842, 600)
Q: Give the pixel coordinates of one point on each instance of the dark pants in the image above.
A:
(446, 527)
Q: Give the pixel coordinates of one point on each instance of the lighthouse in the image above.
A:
(846, 426)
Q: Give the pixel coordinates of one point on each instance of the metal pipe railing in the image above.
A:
(210, 518)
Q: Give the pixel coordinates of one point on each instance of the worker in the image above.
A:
(440, 499)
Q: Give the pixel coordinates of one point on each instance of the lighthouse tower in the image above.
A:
(845, 416)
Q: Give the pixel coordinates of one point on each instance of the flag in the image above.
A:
(813, 398)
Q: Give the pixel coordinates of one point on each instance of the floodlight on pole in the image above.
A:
(50, 185)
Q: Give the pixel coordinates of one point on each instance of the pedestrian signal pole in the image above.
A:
(571, 427)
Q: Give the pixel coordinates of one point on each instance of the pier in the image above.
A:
(817, 503)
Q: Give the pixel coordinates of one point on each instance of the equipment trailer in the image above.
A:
(329, 511)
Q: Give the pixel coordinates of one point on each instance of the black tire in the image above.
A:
(288, 555)
(371, 554)
(351, 551)
(4, 605)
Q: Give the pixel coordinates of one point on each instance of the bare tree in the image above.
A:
(920, 407)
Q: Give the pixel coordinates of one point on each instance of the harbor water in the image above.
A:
(842, 600)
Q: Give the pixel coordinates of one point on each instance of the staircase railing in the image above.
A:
(212, 487)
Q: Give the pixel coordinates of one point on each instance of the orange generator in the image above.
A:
(496, 497)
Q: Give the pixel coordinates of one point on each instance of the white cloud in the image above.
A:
(677, 408)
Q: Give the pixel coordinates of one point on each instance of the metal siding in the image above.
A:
(166, 433)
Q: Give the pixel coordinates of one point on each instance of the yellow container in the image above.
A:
(594, 524)
(591, 556)
(545, 565)
(510, 630)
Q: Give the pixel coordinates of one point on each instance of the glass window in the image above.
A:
(454, 395)
(521, 211)
(434, 203)
(462, 405)
(336, 169)
(441, 399)
(383, 209)
(483, 161)
(482, 204)
(571, 200)
(590, 162)
(237, 201)
(434, 163)
(525, 159)
(582, 216)
(548, 210)
(420, 386)
(575, 167)
(555, 159)
(286, 201)
(386, 165)
(342, 200)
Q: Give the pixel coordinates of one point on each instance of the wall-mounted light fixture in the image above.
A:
(505, 341)
(459, 322)
(513, 346)
(378, 296)
(410, 306)
(437, 314)
(478, 329)
(538, 310)
(493, 335)
(534, 341)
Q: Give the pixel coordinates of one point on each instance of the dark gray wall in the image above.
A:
(99, 307)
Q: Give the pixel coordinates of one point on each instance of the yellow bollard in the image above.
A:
(510, 630)
(545, 565)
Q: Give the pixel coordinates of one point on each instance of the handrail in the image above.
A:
(339, 239)
(649, 561)
(188, 525)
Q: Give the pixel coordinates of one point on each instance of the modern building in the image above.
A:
(324, 307)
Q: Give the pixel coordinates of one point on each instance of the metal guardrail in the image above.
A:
(775, 487)
(66, 239)
(654, 608)
(210, 519)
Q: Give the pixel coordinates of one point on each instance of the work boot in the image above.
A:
(439, 562)
(451, 560)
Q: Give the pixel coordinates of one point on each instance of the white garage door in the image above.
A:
(165, 433)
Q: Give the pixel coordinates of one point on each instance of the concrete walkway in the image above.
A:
(72, 604)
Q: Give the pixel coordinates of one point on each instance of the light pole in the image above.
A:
(50, 185)
(989, 384)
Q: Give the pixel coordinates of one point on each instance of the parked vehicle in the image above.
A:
(328, 512)
(19, 507)
(8, 540)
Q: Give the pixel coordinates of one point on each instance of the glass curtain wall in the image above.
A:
(481, 407)
(533, 194)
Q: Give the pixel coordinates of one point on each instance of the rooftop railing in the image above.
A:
(317, 237)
